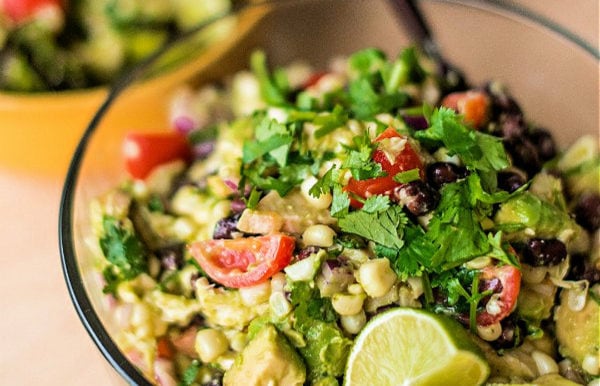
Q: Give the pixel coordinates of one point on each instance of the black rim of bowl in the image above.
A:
(74, 280)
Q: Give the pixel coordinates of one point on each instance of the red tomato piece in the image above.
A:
(406, 159)
(510, 279)
(164, 349)
(21, 10)
(244, 262)
(473, 105)
(145, 151)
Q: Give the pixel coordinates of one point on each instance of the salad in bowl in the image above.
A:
(374, 222)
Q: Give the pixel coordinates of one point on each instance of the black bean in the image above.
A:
(583, 269)
(511, 126)
(451, 78)
(417, 196)
(544, 252)
(441, 173)
(501, 102)
(510, 181)
(494, 284)
(198, 320)
(587, 211)
(544, 142)
(512, 335)
(524, 155)
(170, 258)
(306, 252)
(225, 227)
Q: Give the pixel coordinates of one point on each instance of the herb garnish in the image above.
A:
(123, 250)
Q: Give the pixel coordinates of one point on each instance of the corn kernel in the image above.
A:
(352, 324)
(318, 235)
(210, 344)
(347, 305)
(376, 277)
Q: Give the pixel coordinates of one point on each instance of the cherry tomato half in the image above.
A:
(145, 151)
(473, 105)
(506, 300)
(243, 262)
(406, 159)
(21, 10)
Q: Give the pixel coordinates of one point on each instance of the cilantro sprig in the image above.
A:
(123, 250)
(479, 152)
(383, 226)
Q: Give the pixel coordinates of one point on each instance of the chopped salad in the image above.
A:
(55, 45)
(288, 207)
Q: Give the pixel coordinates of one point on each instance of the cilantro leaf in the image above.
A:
(376, 203)
(478, 151)
(455, 229)
(122, 248)
(259, 177)
(366, 61)
(384, 228)
(404, 69)
(253, 150)
(326, 183)
(272, 138)
(310, 305)
(499, 250)
(366, 101)
(340, 202)
(189, 375)
(359, 160)
(415, 255)
(328, 122)
(270, 87)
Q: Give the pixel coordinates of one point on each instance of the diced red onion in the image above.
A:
(203, 150)
(417, 122)
(333, 273)
(238, 206)
(231, 183)
(184, 124)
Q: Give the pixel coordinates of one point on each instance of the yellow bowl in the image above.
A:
(40, 131)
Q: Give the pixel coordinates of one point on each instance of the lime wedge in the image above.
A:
(407, 346)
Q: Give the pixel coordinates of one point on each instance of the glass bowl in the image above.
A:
(552, 74)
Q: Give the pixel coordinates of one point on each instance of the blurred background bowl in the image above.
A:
(41, 129)
(553, 76)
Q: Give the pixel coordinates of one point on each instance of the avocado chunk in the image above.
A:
(528, 213)
(267, 360)
(577, 331)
